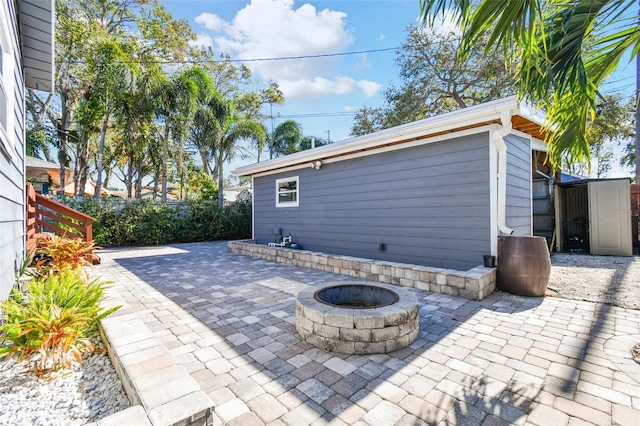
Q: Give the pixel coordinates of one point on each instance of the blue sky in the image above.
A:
(337, 85)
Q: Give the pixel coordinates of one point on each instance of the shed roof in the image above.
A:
(523, 118)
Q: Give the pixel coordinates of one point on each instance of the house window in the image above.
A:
(287, 192)
(7, 135)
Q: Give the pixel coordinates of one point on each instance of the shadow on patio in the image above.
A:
(474, 362)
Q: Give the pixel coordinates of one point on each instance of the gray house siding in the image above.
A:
(429, 205)
(518, 212)
(12, 195)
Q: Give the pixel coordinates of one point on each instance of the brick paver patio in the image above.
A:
(229, 322)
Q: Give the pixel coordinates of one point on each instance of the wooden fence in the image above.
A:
(44, 214)
(635, 211)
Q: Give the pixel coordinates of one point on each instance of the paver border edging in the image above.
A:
(475, 284)
(150, 375)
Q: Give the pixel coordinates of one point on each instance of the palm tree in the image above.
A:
(285, 139)
(177, 101)
(135, 114)
(216, 132)
(115, 78)
(564, 50)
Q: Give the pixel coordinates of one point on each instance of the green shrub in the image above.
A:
(48, 324)
(147, 222)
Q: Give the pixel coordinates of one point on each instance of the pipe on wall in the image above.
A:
(498, 140)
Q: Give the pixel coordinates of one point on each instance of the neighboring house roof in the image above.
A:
(523, 118)
(36, 18)
(232, 194)
(37, 163)
(35, 166)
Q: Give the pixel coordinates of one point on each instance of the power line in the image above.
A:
(280, 58)
(319, 114)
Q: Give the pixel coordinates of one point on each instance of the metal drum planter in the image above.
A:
(524, 265)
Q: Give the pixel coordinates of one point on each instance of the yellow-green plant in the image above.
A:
(61, 253)
(48, 324)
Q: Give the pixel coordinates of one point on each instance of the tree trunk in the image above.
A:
(82, 164)
(63, 137)
(220, 184)
(164, 164)
(99, 166)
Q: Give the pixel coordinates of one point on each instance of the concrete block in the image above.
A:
(387, 333)
(131, 416)
(456, 281)
(421, 285)
(406, 282)
(375, 321)
(472, 284)
(395, 344)
(451, 291)
(469, 294)
(395, 318)
(340, 346)
(338, 317)
(362, 348)
(355, 335)
(313, 315)
(184, 410)
(326, 331)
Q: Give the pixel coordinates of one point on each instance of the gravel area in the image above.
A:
(90, 392)
(606, 279)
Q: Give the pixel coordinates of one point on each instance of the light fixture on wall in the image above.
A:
(316, 164)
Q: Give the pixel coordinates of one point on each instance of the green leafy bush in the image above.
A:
(48, 324)
(147, 222)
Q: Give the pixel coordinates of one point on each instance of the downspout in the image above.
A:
(501, 147)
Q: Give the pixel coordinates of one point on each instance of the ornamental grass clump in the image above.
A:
(49, 323)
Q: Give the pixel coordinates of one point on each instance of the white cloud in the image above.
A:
(307, 88)
(211, 21)
(363, 62)
(446, 23)
(370, 88)
(276, 29)
(382, 37)
(202, 40)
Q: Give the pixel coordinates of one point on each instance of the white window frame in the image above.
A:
(7, 134)
(295, 203)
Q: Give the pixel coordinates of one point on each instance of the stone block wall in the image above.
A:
(475, 284)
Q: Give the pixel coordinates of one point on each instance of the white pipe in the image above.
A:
(501, 147)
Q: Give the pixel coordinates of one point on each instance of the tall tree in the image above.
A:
(115, 77)
(177, 99)
(565, 49)
(285, 139)
(217, 131)
(435, 80)
(134, 115)
(147, 30)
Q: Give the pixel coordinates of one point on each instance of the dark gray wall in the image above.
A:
(12, 210)
(429, 205)
(518, 214)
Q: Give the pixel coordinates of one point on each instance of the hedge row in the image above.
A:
(152, 223)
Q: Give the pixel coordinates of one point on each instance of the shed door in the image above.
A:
(609, 213)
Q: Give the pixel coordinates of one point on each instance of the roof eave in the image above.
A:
(36, 20)
(475, 115)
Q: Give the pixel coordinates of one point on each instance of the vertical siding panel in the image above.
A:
(12, 175)
(429, 205)
(518, 214)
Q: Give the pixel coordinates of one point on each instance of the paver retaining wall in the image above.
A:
(475, 284)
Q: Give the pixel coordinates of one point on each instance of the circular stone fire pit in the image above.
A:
(357, 318)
